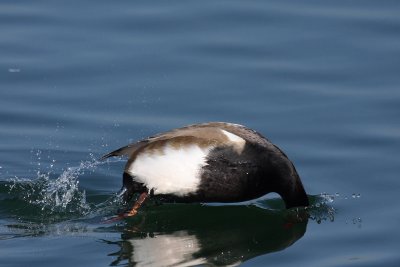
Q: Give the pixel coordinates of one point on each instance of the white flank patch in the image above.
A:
(172, 170)
(238, 142)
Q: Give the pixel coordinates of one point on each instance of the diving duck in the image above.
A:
(208, 162)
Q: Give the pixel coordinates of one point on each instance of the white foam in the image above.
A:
(172, 170)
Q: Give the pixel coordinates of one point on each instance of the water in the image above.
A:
(79, 79)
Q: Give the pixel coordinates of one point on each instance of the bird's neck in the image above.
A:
(291, 189)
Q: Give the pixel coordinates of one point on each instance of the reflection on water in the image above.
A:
(160, 235)
(166, 250)
(182, 235)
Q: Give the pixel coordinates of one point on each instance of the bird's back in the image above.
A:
(214, 161)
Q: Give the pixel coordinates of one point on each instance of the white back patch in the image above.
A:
(238, 142)
(172, 170)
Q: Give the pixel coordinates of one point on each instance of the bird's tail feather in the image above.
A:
(125, 151)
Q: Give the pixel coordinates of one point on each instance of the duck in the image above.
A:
(208, 162)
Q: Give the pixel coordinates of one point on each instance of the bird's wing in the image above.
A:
(205, 133)
(185, 134)
(126, 150)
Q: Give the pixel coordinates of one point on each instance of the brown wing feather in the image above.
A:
(126, 150)
(205, 131)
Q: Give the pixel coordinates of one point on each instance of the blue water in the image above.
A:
(79, 79)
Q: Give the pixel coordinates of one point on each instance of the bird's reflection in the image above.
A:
(187, 235)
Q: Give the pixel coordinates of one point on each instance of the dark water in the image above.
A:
(78, 79)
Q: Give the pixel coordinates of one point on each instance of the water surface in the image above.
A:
(79, 79)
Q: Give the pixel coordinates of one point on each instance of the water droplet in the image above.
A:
(14, 70)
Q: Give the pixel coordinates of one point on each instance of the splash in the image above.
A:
(53, 195)
(321, 209)
(54, 203)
